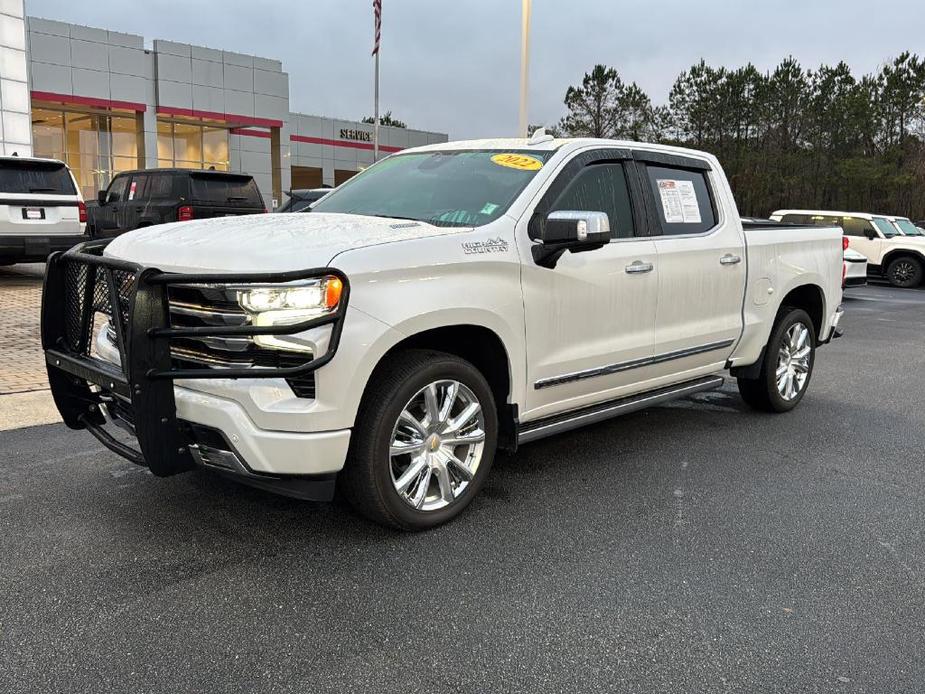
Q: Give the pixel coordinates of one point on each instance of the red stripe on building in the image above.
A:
(341, 143)
(250, 133)
(214, 115)
(89, 101)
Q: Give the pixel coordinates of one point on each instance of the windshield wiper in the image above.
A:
(43, 190)
(390, 216)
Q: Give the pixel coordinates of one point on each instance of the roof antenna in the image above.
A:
(15, 154)
(540, 136)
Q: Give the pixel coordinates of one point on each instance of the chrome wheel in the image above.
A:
(437, 445)
(793, 361)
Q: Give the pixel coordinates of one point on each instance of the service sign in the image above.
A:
(356, 135)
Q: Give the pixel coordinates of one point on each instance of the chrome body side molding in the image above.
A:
(632, 364)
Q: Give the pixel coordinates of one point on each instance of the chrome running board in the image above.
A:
(557, 424)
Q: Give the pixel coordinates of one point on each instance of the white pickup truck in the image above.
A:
(450, 300)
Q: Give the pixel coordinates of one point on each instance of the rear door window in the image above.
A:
(117, 189)
(136, 189)
(35, 178)
(683, 202)
(855, 226)
(224, 190)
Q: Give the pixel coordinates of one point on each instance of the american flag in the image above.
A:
(377, 10)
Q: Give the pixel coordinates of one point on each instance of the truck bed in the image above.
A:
(781, 258)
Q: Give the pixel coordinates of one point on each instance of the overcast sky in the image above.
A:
(453, 65)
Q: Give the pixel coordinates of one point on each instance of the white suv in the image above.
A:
(890, 254)
(41, 209)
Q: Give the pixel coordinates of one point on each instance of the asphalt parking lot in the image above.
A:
(689, 548)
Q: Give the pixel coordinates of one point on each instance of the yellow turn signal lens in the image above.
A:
(332, 291)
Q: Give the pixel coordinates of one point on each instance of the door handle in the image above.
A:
(730, 259)
(637, 267)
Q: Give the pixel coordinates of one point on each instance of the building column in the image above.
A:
(15, 102)
(147, 145)
(327, 173)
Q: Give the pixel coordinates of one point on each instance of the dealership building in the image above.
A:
(104, 102)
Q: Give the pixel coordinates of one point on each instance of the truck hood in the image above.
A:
(263, 243)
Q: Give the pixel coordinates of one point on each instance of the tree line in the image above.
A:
(790, 137)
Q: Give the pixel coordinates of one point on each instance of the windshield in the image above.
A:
(457, 189)
(908, 228)
(884, 227)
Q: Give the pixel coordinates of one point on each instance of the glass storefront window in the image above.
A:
(94, 145)
(191, 146)
(124, 138)
(48, 133)
(215, 148)
(83, 137)
(99, 145)
(187, 145)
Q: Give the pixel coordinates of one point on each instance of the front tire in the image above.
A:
(424, 441)
(904, 272)
(787, 366)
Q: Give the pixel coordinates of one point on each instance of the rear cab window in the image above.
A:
(682, 199)
(225, 190)
(28, 177)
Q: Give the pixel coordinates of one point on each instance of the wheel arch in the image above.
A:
(892, 255)
(810, 298)
(481, 346)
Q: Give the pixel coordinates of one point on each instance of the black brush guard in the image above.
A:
(81, 283)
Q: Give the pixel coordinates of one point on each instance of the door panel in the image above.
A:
(702, 275)
(585, 315)
(590, 321)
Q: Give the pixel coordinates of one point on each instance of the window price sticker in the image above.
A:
(679, 201)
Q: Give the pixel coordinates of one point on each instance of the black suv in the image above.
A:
(137, 199)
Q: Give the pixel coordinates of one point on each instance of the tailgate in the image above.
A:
(27, 215)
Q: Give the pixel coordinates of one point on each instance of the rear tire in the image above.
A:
(904, 272)
(787, 367)
(440, 409)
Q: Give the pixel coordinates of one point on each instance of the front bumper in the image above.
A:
(260, 451)
(174, 427)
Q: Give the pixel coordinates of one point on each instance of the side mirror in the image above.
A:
(870, 233)
(101, 196)
(570, 230)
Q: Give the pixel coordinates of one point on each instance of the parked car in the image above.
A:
(300, 200)
(905, 227)
(41, 209)
(137, 199)
(889, 253)
(449, 300)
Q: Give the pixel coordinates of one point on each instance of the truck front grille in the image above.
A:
(195, 306)
(88, 302)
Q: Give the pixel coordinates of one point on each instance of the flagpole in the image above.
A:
(524, 65)
(376, 114)
(377, 15)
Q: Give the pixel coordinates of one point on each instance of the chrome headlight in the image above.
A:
(287, 305)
